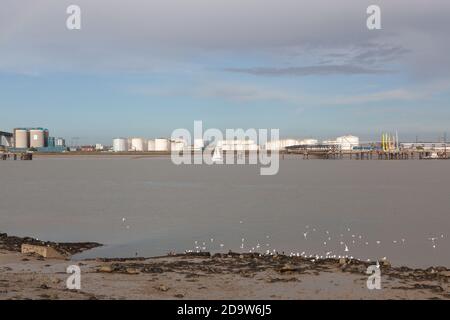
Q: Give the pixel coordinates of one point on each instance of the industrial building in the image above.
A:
(237, 145)
(25, 138)
(282, 144)
(427, 146)
(37, 139)
(344, 143)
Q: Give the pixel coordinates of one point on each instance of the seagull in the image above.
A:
(346, 248)
(305, 234)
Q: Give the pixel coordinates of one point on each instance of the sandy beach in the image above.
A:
(205, 276)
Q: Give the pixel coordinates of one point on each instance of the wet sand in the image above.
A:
(227, 277)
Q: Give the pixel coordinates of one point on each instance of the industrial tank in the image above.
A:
(120, 145)
(198, 144)
(281, 144)
(162, 144)
(138, 144)
(21, 138)
(151, 145)
(309, 142)
(37, 138)
(347, 142)
(177, 145)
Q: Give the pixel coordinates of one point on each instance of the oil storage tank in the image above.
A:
(151, 145)
(177, 145)
(162, 144)
(21, 138)
(120, 144)
(138, 144)
(37, 138)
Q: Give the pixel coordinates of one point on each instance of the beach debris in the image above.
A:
(163, 288)
(106, 269)
(43, 251)
(132, 271)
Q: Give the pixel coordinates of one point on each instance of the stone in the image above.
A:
(163, 288)
(43, 251)
(107, 269)
(132, 271)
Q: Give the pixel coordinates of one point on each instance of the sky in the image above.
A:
(146, 67)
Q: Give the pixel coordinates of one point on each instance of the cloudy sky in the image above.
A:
(144, 68)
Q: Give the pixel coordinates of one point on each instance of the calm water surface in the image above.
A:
(148, 206)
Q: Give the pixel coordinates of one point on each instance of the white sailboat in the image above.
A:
(217, 155)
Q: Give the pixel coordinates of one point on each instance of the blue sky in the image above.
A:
(316, 73)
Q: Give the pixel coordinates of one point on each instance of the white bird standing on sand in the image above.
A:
(305, 234)
(346, 248)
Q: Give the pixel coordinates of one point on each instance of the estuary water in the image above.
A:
(148, 206)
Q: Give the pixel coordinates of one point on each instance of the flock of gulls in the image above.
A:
(333, 246)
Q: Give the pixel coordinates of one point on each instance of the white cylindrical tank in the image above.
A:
(198, 144)
(281, 144)
(37, 138)
(21, 138)
(162, 144)
(120, 145)
(309, 142)
(347, 142)
(151, 145)
(177, 145)
(138, 144)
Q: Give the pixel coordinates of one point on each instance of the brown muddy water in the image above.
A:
(149, 206)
